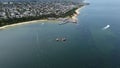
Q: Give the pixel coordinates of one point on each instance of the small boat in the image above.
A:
(106, 27)
(57, 39)
(63, 39)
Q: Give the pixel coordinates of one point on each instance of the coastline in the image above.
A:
(22, 23)
(74, 17)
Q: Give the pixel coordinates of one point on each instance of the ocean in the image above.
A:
(94, 42)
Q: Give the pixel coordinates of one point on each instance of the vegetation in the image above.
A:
(9, 21)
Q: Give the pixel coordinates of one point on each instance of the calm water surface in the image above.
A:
(87, 46)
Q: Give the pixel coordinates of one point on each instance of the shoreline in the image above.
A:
(21, 23)
(74, 17)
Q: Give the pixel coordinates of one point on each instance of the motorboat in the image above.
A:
(57, 39)
(61, 39)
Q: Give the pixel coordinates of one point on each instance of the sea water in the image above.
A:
(87, 45)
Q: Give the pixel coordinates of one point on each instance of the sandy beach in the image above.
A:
(22, 23)
(74, 17)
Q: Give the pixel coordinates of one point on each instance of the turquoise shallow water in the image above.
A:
(87, 46)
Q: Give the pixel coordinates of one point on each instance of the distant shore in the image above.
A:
(74, 17)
